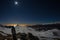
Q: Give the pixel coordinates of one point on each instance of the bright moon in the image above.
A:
(16, 3)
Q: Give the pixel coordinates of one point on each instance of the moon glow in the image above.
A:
(16, 3)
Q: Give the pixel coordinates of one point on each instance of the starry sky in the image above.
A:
(29, 11)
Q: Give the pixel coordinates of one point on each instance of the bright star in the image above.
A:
(16, 3)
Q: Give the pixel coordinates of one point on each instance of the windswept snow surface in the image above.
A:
(48, 33)
(5, 30)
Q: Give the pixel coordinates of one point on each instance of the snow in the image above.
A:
(5, 30)
(48, 33)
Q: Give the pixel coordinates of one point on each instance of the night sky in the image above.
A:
(29, 11)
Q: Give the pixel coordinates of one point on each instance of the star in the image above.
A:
(16, 3)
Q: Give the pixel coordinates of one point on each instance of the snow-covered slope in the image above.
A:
(5, 30)
(48, 33)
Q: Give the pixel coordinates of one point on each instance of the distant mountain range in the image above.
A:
(46, 26)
